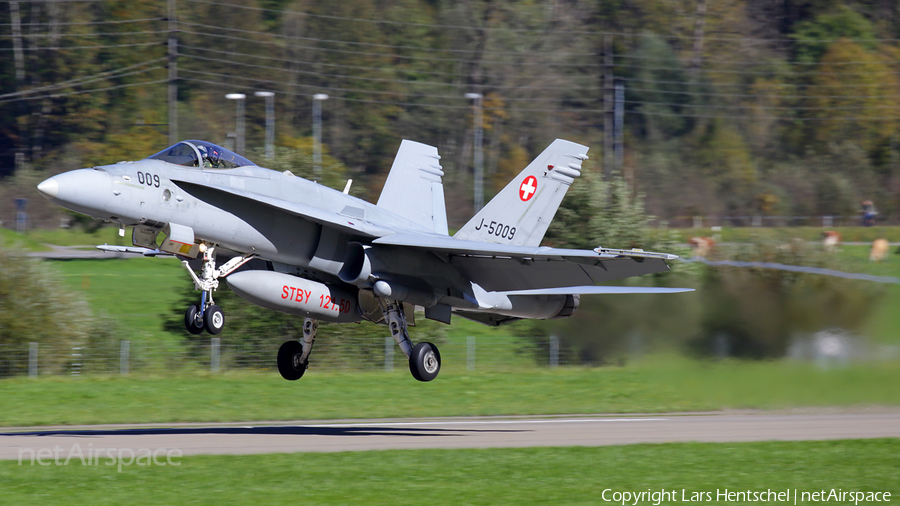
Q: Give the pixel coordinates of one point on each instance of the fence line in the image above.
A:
(129, 357)
(773, 221)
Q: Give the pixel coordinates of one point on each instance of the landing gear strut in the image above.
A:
(424, 358)
(293, 356)
(207, 315)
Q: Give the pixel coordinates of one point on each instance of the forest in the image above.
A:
(727, 107)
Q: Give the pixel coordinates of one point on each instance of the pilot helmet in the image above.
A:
(214, 154)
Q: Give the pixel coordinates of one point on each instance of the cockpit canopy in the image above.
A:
(192, 153)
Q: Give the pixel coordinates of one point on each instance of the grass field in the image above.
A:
(747, 234)
(454, 477)
(10, 239)
(665, 385)
(77, 236)
(135, 291)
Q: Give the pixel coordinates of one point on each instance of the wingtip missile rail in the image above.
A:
(635, 253)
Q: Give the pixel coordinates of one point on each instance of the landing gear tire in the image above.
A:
(214, 319)
(192, 321)
(425, 362)
(289, 364)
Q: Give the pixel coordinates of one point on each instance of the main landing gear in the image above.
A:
(293, 356)
(424, 358)
(207, 315)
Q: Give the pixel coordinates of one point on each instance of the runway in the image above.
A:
(510, 432)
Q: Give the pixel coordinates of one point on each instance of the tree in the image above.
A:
(36, 306)
(852, 99)
(813, 38)
(597, 213)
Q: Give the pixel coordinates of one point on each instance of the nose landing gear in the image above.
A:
(207, 315)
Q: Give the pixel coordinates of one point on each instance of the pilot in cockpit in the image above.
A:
(211, 157)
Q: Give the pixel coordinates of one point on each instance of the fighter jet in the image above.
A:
(332, 257)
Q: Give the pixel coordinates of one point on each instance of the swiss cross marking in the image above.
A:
(529, 186)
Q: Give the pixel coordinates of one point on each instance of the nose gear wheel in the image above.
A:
(207, 315)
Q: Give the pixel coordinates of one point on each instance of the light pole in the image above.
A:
(270, 122)
(239, 123)
(317, 135)
(479, 169)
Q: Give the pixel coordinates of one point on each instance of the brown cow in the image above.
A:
(830, 240)
(701, 246)
(879, 250)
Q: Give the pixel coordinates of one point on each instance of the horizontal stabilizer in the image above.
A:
(597, 290)
(462, 247)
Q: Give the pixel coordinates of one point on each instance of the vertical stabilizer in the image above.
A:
(520, 214)
(414, 189)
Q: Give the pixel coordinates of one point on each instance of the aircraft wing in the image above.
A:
(506, 268)
(137, 250)
(598, 290)
(348, 224)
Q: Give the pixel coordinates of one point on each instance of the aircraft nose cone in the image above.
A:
(84, 190)
(49, 188)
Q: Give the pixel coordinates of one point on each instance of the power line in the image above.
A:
(87, 23)
(59, 95)
(377, 69)
(528, 30)
(777, 118)
(109, 74)
(97, 34)
(66, 48)
(359, 78)
(330, 50)
(731, 85)
(757, 62)
(521, 109)
(756, 72)
(516, 87)
(755, 95)
(545, 99)
(517, 53)
(531, 62)
(773, 108)
(4, 99)
(68, 1)
(371, 44)
(301, 62)
(357, 90)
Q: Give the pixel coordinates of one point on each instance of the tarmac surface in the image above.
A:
(450, 433)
